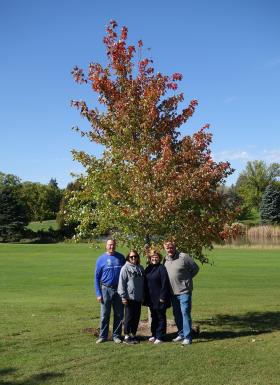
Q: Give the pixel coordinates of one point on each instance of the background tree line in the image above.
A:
(256, 192)
(25, 202)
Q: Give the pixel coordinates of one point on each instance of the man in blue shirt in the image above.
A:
(107, 272)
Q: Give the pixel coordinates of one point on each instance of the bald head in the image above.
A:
(110, 246)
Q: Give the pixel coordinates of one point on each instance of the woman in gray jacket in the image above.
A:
(131, 291)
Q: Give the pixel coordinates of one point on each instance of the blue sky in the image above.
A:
(227, 51)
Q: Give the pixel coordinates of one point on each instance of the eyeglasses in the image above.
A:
(133, 256)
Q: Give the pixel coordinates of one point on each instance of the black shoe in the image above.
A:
(130, 341)
(135, 340)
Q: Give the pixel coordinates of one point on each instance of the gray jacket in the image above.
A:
(131, 282)
(181, 269)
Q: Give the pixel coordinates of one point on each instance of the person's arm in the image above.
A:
(164, 284)
(146, 287)
(97, 280)
(122, 286)
(191, 265)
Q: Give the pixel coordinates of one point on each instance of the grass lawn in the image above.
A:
(44, 225)
(47, 300)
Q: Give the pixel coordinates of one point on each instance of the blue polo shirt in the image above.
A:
(107, 271)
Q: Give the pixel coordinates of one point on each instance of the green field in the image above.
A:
(47, 301)
(44, 225)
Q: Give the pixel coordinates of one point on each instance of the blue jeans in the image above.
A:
(182, 306)
(111, 299)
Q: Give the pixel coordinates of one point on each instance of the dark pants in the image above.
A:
(158, 326)
(132, 317)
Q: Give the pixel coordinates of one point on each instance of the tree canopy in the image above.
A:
(151, 182)
(9, 180)
(253, 181)
(13, 214)
(42, 200)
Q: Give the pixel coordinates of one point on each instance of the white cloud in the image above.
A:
(271, 156)
(268, 156)
(232, 155)
(239, 158)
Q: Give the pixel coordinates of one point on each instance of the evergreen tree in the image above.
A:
(53, 183)
(270, 205)
(13, 215)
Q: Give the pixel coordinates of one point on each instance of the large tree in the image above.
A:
(13, 209)
(67, 222)
(253, 181)
(42, 200)
(13, 214)
(151, 182)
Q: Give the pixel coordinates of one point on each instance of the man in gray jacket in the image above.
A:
(181, 269)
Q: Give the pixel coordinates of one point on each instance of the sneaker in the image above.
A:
(157, 342)
(152, 339)
(100, 340)
(186, 342)
(117, 340)
(126, 338)
(177, 339)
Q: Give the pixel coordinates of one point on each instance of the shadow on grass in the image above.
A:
(220, 327)
(234, 326)
(5, 371)
(36, 379)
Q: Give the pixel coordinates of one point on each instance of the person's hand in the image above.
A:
(99, 299)
(161, 300)
(124, 301)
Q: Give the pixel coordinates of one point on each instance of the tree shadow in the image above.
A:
(234, 326)
(36, 379)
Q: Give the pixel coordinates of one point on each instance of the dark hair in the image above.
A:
(155, 253)
(136, 254)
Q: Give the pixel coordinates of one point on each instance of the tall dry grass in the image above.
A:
(264, 232)
(262, 235)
